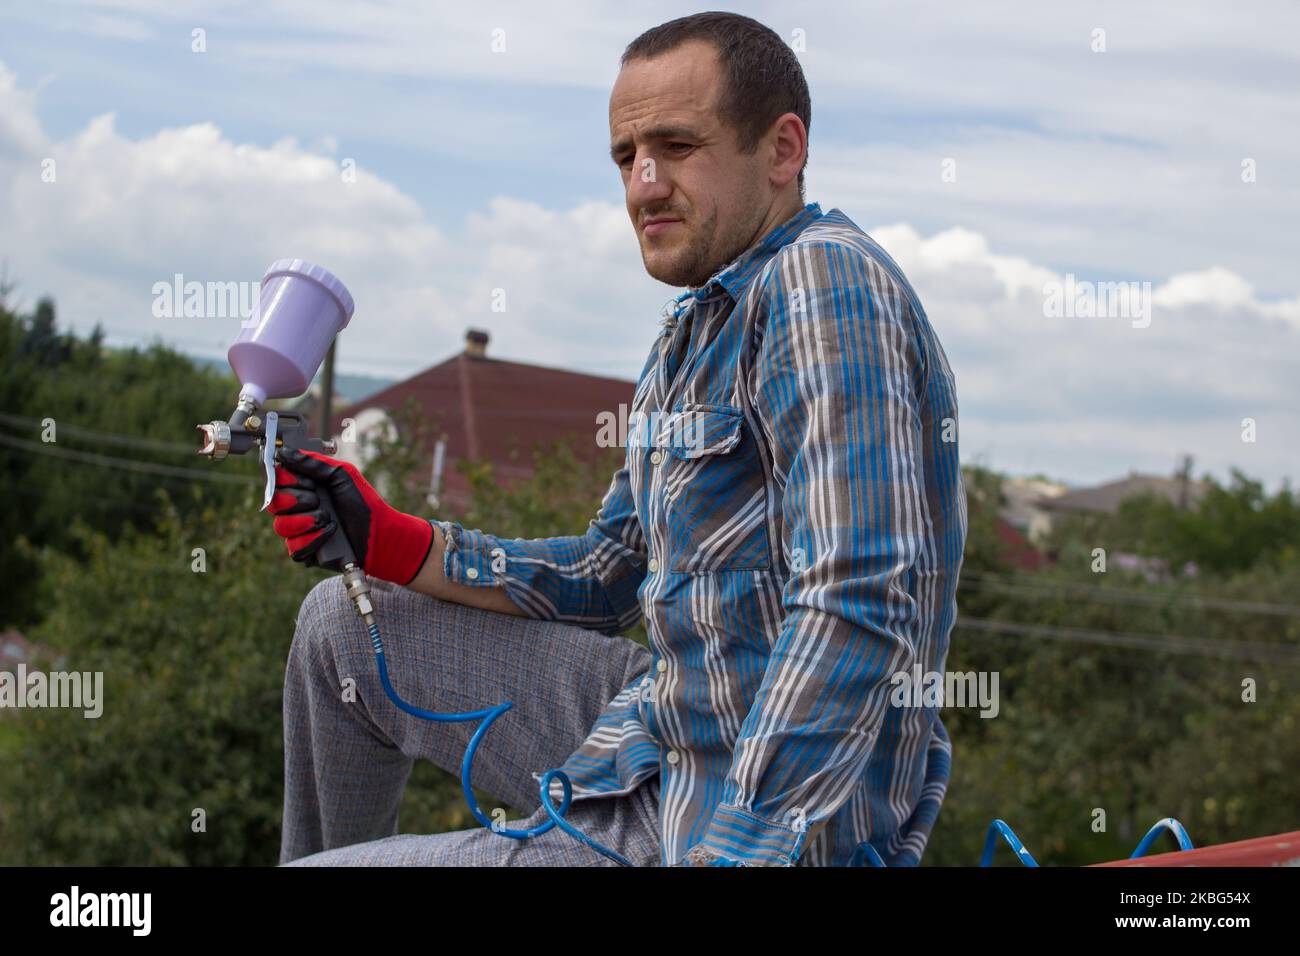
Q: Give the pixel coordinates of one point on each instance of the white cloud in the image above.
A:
(122, 214)
(1127, 161)
(1082, 399)
(20, 130)
(1088, 398)
(125, 213)
(1210, 286)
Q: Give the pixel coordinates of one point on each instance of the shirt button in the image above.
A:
(654, 565)
(656, 457)
(472, 573)
(673, 757)
(662, 665)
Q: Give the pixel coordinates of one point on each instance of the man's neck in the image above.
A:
(780, 213)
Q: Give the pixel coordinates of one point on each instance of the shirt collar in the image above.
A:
(737, 274)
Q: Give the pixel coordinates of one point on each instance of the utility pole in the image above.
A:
(1184, 481)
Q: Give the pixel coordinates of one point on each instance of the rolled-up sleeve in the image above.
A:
(835, 383)
(589, 580)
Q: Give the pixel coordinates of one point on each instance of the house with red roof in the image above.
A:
(487, 409)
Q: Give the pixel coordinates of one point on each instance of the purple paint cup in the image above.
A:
(300, 310)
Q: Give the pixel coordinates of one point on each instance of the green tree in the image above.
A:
(103, 557)
(1139, 733)
(91, 436)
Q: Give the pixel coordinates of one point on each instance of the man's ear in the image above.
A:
(789, 146)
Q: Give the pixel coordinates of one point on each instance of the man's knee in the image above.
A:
(324, 604)
(328, 623)
(327, 626)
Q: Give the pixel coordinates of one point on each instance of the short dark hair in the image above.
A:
(763, 76)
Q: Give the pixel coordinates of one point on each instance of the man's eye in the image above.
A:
(680, 146)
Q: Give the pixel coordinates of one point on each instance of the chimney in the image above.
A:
(1184, 477)
(476, 341)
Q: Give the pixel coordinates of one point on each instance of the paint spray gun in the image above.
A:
(300, 310)
(302, 307)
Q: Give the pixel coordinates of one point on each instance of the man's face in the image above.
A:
(695, 200)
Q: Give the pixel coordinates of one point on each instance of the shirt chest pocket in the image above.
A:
(714, 493)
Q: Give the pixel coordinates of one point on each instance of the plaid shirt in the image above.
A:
(790, 521)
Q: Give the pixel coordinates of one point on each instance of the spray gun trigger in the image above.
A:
(268, 458)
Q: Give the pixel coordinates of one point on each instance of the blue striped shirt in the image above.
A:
(790, 521)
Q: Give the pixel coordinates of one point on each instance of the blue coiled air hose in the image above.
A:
(488, 715)
(864, 855)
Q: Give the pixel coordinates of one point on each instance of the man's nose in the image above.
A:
(647, 185)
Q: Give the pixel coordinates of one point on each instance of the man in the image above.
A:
(789, 520)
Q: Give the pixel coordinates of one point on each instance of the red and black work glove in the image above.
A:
(389, 544)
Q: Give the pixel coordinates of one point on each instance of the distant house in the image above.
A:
(487, 409)
(1032, 505)
(1025, 505)
(1180, 489)
(1015, 546)
(1017, 550)
(1105, 499)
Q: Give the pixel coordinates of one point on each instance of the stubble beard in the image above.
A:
(685, 266)
(705, 252)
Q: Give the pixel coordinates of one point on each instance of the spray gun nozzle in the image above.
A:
(216, 440)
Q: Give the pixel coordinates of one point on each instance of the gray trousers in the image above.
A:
(348, 750)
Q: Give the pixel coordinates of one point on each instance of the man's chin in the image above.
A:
(672, 273)
(667, 273)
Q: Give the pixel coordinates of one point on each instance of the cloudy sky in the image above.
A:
(994, 156)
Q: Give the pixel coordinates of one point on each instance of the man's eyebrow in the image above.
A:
(654, 133)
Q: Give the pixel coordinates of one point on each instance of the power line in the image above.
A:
(1170, 643)
(87, 500)
(109, 438)
(1167, 643)
(1126, 595)
(128, 464)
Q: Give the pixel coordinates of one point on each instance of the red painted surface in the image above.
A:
(1282, 849)
(495, 410)
(1017, 550)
